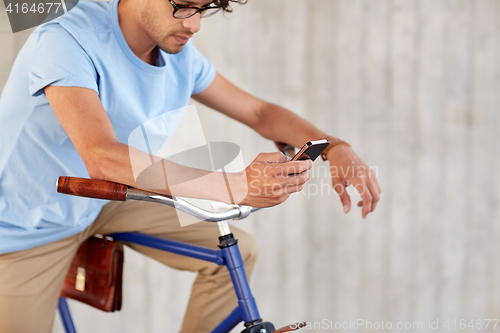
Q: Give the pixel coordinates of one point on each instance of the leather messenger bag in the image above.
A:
(95, 275)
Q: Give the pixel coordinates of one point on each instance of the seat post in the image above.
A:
(223, 227)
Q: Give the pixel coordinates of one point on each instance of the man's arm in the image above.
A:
(82, 116)
(281, 125)
(269, 120)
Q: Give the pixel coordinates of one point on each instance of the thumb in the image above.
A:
(340, 188)
(276, 157)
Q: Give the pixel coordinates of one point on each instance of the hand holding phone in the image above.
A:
(310, 151)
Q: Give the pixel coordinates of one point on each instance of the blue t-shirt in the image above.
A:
(83, 48)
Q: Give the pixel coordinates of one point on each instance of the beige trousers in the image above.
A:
(31, 280)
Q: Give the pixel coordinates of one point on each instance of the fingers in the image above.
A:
(281, 165)
(297, 167)
(340, 187)
(374, 191)
(271, 180)
(290, 189)
(373, 188)
(287, 169)
(291, 183)
(366, 196)
(297, 178)
(376, 186)
(369, 190)
(277, 194)
(277, 157)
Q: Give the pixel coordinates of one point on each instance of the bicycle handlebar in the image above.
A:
(92, 188)
(102, 189)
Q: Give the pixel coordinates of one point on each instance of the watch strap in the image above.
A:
(333, 142)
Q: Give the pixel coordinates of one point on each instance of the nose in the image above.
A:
(192, 23)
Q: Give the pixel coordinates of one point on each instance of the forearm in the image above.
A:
(271, 121)
(121, 163)
(281, 125)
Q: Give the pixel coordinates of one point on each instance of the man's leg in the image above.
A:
(30, 285)
(212, 297)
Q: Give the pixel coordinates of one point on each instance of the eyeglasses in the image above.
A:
(185, 11)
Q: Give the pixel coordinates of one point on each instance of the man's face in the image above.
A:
(168, 33)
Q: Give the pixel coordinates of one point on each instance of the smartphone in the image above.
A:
(311, 150)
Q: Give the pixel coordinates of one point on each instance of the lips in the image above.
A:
(181, 39)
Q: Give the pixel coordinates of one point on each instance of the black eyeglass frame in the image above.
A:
(198, 9)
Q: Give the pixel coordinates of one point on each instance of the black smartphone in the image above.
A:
(311, 150)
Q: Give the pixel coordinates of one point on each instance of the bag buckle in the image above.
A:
(80, 279)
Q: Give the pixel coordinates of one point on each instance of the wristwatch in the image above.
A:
(333, 142)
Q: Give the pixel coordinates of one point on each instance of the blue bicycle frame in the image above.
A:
(229, 255)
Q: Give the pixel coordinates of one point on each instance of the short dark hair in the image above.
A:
(226, 4)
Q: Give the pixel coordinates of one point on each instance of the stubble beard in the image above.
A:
(155, 33)
(162, 44)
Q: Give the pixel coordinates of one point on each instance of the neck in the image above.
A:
(135, 35)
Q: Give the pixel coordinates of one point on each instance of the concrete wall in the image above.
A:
(413, 86)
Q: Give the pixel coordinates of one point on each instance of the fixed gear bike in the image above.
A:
(228, 253)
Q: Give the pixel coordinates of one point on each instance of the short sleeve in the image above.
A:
(59, 60)
(204, 71)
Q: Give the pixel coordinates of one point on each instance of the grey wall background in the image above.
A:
(413, 86)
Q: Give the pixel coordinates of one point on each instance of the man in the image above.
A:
(78, 88)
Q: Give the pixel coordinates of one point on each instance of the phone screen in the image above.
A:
(311, 150)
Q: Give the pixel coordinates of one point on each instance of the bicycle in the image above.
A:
(228, 254)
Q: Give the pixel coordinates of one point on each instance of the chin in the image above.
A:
(171, 49)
